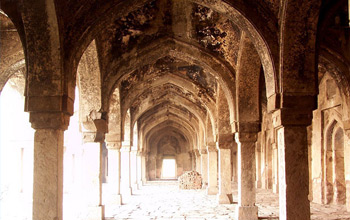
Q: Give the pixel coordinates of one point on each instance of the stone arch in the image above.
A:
(334, 188)
(265, 35)
(339, 169)
(12, 56)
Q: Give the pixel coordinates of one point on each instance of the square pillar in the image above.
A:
(93, 181)
(48, 164)
(212, 169)
(114, 165)
(347, 162)
(48, 174)
(125, 171)
(225, 174)
(204, 168)
(246, 209)
(133, 168)
(143, 169)
(293, 173)
(139, 170)
(198, 161)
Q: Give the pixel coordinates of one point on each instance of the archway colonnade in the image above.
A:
(210, 84)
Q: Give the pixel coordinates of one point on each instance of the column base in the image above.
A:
(247, 212)
(224, 198)
(95, 213)
(212, 190)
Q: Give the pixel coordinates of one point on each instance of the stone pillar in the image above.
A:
(275, 168)
(93, 172)
(143, 168)
(133, 168)
(125, 171)
(246, 209)
(139, 169)
(204, 170)
(293, 164)
(213, 169)
(258, 161)
(48, 164)
(193, 160)
(114, 165)
(198, 161)
(225, 187)
(347, 162)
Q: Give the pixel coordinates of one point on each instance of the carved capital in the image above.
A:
(89, 137)
(246, 137)
(203, 151)
(211, 147)
(291, 117)
(49, 120)
(113, 145)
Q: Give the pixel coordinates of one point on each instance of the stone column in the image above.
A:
(93, 174)
(204, 170)
(225, 187)
(139, 169)
(213, 169)
(143, 168)
(193, 160)
(258, 162)
(293, 164)
(275, 168)
(133, 168)
(347, 162)
(246, 209)
(125, 171)
(114, 165)
(48, 164)
(198, 161)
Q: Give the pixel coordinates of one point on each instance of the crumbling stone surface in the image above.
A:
(190, 180)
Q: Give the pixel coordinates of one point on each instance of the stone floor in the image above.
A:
(166, 201)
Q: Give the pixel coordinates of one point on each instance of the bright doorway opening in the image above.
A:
(169, 169)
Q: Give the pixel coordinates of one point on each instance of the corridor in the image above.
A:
(164, 200)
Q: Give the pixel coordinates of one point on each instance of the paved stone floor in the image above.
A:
(166, 201)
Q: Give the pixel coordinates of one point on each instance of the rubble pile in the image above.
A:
(190, 180)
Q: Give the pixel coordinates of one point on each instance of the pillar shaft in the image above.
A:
(133, 169)
(293, 172)
(125, 171)
(143, 169)
(225, 188)
(246, 209)
(48, 174)
(114, 165)
(93, 180)
(139, 170)
(204, 171)
(212, 171)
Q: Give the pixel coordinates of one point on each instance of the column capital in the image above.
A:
(246, 137)
(211, 147)
(94, 130)
(196, 152)
(246, 126)
(49, 120)
(113, 145)
(203, 151)
(291, 117)
(225, 141)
